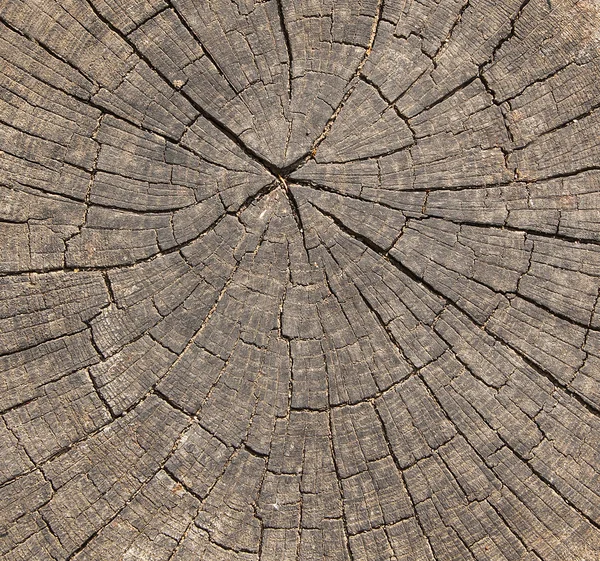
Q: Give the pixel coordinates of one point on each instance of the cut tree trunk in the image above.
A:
(292, 280)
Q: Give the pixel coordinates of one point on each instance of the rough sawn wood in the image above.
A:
(299, 280)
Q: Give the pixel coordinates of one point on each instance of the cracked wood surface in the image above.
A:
(286, 280)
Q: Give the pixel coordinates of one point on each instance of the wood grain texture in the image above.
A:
(288, 280)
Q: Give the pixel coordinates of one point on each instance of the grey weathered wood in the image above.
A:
(298, 281)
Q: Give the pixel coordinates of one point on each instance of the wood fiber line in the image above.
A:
(299, 281)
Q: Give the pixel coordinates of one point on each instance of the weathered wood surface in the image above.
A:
(300, 280)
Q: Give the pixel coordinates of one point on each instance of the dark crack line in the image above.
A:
(547, 481)
(295, 211)
(337, 472)
(540, 137)
(446, 96)
(394, 107)
(541, 80)
(101, 397)
(458, 430)
(409, 273)
(529, 231)
(108, 111)
(287, 339)
(133, 496)
(481, 66)
(150, 17)
(320, 187)
(254, 198)
(288, 46)
(352, 86)
(448, 37)
(84, 327)
(205, 50)
(197, 333)
(105, 110)
(50, 52)
(506, 295)
(201, 110)
(426, 215)
(390, 337)
(511, 33)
